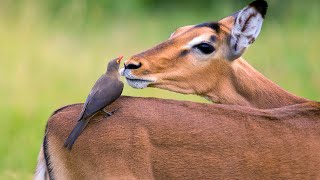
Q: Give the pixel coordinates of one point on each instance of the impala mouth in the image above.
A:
(134, 81)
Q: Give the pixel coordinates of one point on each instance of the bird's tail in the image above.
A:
(77, 130)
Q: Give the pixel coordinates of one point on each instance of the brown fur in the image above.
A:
(186, 140)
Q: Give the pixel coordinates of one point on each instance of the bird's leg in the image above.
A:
(109, 113)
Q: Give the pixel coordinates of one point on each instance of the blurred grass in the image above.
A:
(51, 53)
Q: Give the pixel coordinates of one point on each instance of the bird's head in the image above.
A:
(113, 65)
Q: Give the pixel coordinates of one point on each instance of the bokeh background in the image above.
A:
(52, 52)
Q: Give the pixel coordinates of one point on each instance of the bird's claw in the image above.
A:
(109, 113)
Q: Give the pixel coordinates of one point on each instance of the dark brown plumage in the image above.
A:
(106, 90)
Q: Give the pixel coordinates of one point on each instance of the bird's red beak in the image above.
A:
(119, 59)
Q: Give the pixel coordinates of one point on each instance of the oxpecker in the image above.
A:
(106, 90)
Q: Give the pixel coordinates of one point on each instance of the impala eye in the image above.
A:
(205, 48)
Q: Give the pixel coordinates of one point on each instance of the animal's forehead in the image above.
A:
(211, 25)
(196, 34)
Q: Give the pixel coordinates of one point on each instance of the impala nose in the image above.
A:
(132, 65)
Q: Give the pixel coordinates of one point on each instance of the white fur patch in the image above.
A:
(196, 41)
(41, 171)
(136, 82)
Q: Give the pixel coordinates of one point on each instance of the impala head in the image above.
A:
(196, 58)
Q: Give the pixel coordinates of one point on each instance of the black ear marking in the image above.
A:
(261, 6)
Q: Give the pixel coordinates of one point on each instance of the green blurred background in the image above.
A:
(52, 52)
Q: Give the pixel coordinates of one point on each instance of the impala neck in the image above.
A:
(248, 87)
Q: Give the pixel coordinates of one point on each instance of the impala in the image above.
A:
(256, 130)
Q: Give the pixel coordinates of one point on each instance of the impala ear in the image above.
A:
(245, 26)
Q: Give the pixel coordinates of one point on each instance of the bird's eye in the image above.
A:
(205, 48)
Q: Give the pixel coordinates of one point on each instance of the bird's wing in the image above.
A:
(85, 105)
(84, 112)
(108, 91)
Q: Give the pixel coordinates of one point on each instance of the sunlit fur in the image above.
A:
(150, 138)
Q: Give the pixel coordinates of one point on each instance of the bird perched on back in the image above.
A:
(106, 90)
